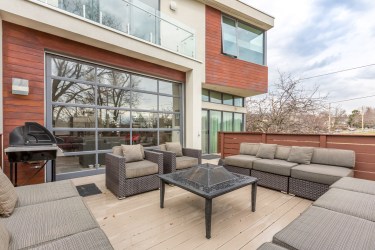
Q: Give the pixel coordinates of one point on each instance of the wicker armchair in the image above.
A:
(171, 162)
(121, 186)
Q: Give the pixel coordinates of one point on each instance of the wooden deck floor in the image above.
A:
(137, 222)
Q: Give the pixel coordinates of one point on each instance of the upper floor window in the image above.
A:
(242, 41)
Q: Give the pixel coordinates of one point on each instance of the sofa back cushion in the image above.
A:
(4, 237)
(8, 196)
(174, 147)
(117, 150)
(301, 155)
(133, 152)
(266, 151)
(282, 152)
(249, 148)
(334, 157)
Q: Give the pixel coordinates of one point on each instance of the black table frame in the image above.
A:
(208, 198)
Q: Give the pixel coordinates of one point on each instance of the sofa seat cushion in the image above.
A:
(186, 162)
(51, 191)
(270, 246)
(4, 237)
(8, 196)
(348, 202)
(323, 174)
(319, 228)
(275, 166)
(354, 184)
(140, 168)
(35, 224)
(242, 161)
(87, 240)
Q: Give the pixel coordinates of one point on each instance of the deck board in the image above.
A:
(137, 222)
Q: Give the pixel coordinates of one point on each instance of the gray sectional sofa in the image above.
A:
(50, 216)
(343, 218)
(303, 171)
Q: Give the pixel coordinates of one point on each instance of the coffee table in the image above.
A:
(208, 181)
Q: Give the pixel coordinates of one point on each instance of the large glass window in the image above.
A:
(94, 108)
(242, 41)
(222, 98)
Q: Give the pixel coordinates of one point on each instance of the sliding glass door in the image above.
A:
(205, 133)
(214, 121)
(215, 126)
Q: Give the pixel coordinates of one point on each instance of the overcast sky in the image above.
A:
(313, 37)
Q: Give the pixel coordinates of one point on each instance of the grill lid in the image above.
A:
(31, 134)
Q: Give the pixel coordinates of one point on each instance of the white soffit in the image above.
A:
(243, 12)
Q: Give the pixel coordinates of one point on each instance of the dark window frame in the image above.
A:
(237, 21)
(222, 100)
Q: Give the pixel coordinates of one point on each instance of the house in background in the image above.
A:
(108, 72)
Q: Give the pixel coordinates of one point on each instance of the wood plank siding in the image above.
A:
(226, 71)
(23, 57)
(362, 145)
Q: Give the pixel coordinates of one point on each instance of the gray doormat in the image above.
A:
(210, 157)
(88, 189)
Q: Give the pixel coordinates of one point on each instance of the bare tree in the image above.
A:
(287, 109)
(369, 117)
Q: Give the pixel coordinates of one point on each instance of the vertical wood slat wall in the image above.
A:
(362, 145)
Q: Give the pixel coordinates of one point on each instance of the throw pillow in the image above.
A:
(174, 147)
(249, 148)
(282, 152)
(4, 237)
(8, 196)
(267, 151)
(117, 150)
(163, 147)
(301, 155)
(132, 152)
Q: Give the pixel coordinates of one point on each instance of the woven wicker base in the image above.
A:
(238, 170)
(307, 189)
(274, 181)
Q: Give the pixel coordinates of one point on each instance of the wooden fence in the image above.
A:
(363, 145)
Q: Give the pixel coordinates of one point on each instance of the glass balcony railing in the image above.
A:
(134, 18)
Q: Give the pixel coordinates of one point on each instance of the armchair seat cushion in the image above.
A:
(324, 174)
(242, 161)
(275, 166)
(140, 168)
(183, 162)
